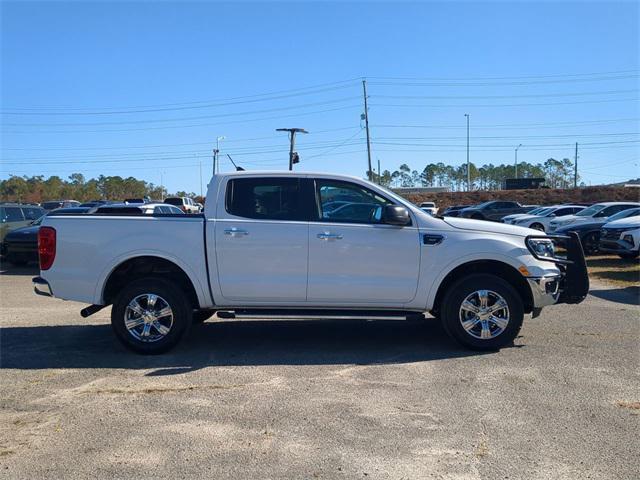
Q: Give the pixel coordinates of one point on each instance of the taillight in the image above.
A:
(46, 247)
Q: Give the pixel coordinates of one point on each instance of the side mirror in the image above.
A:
(396, 215)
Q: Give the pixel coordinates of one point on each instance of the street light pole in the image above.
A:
(468, 169)
(216, 151)
(516, 162)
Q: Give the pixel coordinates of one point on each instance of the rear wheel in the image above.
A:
(537, 226)
(591, 243)
(482, 312)
(150, 315)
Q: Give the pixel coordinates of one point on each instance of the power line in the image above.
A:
(200, 117)
(498, 83)
(541, 95)
(228, 99)
(516, 125)
(231, 140)
(557, 75)
(467, 106)
(278, 117)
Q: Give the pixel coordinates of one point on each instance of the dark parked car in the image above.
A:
(52, 205)
(453, 210)
(590, 232)
(494, 210)
(20, 246)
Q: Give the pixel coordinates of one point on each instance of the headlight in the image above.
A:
(541, 247)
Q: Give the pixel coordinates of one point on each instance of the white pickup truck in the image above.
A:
(272, 245)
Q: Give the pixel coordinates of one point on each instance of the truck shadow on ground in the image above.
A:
(624, 295)
(234, 343)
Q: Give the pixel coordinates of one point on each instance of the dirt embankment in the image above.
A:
(531, 197)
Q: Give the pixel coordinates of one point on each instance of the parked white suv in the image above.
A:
(621, 237)
(542, 218)
(265, 248)
(598, 211)
(186, 204)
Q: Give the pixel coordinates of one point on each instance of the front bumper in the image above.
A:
(616, 246)
(545, 290)
(572, 285)
(41, 287)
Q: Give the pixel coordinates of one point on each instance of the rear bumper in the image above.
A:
(41, 287)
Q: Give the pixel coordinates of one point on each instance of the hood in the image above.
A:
(489, 227)
(630, 223)
(572, 219)
(515, 215)
(525, 216)
(579, 226)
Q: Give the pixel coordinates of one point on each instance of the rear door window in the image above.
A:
(265, 198)
(14, 214)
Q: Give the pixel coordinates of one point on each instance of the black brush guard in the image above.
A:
(574, 284)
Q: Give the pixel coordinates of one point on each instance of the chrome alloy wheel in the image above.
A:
(148, 317)
(484, 314)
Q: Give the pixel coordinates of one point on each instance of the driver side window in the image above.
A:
(348, 203)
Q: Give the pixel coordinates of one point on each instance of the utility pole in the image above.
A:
(161, 187)
(379, 180)
(366, 125)
(293, 156)
(468, 167)
(201, 178)
(516, 161)
(575, 168)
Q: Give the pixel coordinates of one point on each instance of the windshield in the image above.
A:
(544, 211)
(624, 214)
(591, 211)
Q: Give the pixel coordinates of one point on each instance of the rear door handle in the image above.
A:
(235, 232)
(327, 236)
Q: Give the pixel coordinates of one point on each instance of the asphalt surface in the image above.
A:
(318, 399)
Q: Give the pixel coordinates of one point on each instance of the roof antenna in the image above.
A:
(238, 169)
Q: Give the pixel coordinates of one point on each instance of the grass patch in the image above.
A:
(615, 270)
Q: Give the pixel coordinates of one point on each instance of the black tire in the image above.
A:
(201, 316)
(170, 294)
(460, 290)
(591, 243)
(537, 226)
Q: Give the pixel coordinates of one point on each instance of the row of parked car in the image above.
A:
(611, 227)
(19, 223)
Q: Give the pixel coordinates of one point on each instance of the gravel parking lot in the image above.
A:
(319, 399)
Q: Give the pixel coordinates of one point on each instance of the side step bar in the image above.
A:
(320, 315)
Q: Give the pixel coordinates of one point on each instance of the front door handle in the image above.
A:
(235, 232)
(329, 236)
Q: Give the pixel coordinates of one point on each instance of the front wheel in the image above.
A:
(482, 312)
(537, 226)
(150, 315)
(591, 243)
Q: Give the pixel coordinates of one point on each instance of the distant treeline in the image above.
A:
(39, 189)
(559, 174)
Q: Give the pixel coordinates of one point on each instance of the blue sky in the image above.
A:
(144, 89)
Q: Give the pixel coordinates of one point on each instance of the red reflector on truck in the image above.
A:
(46, 247)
